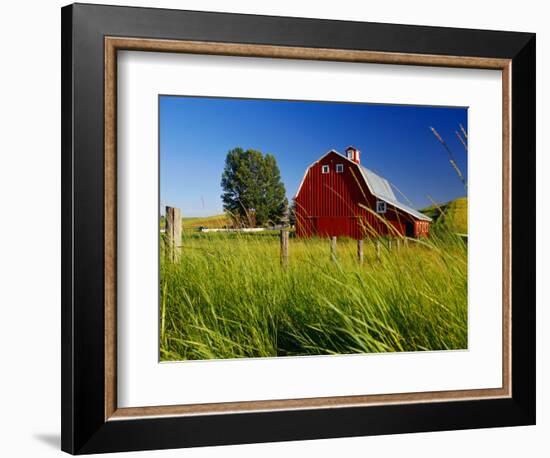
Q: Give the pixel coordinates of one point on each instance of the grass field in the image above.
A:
(206, 221)
(229, 297)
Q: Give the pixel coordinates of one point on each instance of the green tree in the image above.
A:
(292, 213)
(253, 193)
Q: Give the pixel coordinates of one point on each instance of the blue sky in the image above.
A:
(395, 141)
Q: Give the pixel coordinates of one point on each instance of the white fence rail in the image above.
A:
(244, 229)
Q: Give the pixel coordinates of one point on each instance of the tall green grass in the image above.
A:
(229, 297)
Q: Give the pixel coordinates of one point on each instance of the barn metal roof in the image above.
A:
(378, 186)
(381, 189)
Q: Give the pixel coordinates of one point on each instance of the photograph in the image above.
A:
(303, 228)
(276, 228)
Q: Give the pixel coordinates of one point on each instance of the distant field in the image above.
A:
(206, 221)
(229, 297)
(453, 215)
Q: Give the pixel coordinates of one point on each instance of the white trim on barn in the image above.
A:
(381, 206)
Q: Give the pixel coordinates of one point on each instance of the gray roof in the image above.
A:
(381, 189)
(378, 185)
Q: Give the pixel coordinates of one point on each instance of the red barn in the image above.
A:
(340, 197)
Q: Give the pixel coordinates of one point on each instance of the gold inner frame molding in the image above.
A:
(114, 44)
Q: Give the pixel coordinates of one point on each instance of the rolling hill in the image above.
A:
(453, 214)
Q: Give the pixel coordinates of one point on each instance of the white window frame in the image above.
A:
(383, 204)
(339, 168)
(325, 169)
(350, 154)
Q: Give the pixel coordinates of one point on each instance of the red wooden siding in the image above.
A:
(331, 205)
(422, 229)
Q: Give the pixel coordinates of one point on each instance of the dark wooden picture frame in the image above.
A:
(91, 37)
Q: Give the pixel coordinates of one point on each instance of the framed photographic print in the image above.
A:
(281, 228)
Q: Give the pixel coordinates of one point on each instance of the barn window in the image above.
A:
(339, 168)
(381, 206)
(324, 169)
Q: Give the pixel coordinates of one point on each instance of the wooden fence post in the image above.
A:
(284, 248)
(389, 245)
(360, 251)
(173, 232)
(378, 249)
(398, 242)
(333, 248)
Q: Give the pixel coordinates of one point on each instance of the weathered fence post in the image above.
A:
(173, 232)
(378, 249)
(398, 242)
(284, 248)
(406, 242)
(360, 251)
(333, 248)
